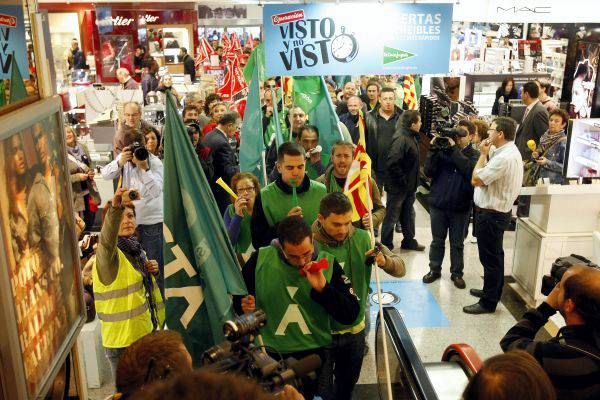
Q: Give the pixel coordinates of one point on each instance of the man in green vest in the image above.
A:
(309, 140)
(334, 179)
(292, 193)
(351, 247)
(300, 305)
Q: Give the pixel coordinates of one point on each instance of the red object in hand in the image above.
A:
(316, 266)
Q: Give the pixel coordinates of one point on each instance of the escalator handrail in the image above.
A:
(467, 354)
(403, 342)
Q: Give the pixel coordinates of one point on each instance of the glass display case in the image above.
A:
(554, 58)
(583, 149)
(164, 42)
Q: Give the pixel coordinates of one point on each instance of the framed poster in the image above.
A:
(41, 297)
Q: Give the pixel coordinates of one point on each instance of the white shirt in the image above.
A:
(148, 210)
(503, 177)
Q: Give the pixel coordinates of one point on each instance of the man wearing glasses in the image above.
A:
(497, 178)
(132, 122)
(300, 303)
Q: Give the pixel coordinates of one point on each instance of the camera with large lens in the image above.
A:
(559, 267)
(239, 354)
(443, 134)
(139, 151)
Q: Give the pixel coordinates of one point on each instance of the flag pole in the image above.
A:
(386, 359)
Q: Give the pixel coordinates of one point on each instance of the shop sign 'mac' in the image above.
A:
(519, 10)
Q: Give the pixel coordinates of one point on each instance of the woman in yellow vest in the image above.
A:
(128, 301)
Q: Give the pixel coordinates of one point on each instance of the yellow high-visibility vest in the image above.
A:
(122, 306)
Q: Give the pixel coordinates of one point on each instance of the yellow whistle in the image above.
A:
(225, 186)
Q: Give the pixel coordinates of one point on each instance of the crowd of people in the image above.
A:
(302, 218)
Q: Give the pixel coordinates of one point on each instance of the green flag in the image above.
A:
(310, 93)
(279, 130)
(341, 80)
(257, 59)
(17, 87)
(252, 145)
(201, 269)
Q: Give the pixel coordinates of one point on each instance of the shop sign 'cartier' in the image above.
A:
(148, 18)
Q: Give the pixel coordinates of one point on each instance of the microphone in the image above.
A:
(306, 365)
(531, 145)
(297, 370)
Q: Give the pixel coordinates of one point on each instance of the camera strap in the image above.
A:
(581, 348)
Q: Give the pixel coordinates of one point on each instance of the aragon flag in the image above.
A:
(201, 269)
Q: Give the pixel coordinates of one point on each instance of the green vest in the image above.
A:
(122, 307)
(244, 239)
(295, 322)
(351, 256)
(277, 204)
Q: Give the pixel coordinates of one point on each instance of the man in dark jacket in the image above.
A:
(189, 66)
(401, 181)
(449, 164)
(382, 123)
(350, 119)
(535, 120)
(224, 160)
(572, 357)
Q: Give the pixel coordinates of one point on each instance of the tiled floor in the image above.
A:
(481, 332)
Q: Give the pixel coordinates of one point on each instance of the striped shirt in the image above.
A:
(503, 177)
(574, 375)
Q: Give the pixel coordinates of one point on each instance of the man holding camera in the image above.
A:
(131, 124)
(352, 248)
(301, 300)
(572, 357)
(142, 172)
(449, 164)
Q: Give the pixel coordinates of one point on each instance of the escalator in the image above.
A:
(413, 379)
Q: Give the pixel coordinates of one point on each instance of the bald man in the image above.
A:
(126, 80)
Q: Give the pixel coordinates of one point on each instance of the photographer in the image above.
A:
(449, 164)
(131, 124)
(143, 172)
(571, 357)
(128, 301)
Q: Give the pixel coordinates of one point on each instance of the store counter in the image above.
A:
(562, 220)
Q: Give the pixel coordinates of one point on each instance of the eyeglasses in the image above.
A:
(249, 189)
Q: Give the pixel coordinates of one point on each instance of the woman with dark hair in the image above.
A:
(153, 142)
(550, 153)
(515, 375)
(17, 184)
(507, 91)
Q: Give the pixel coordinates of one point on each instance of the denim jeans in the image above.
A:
(489, 229)
(443, 222)
(342, 366)
(151, 238)
(113, 355)
(399, 207)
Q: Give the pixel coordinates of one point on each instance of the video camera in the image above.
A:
(445, 132)
(239, 354)
(559, 267)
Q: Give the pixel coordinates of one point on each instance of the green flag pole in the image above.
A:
(17, 87)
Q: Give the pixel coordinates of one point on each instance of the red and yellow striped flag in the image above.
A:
(358, 181)
(288, 85)
(410, 92)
